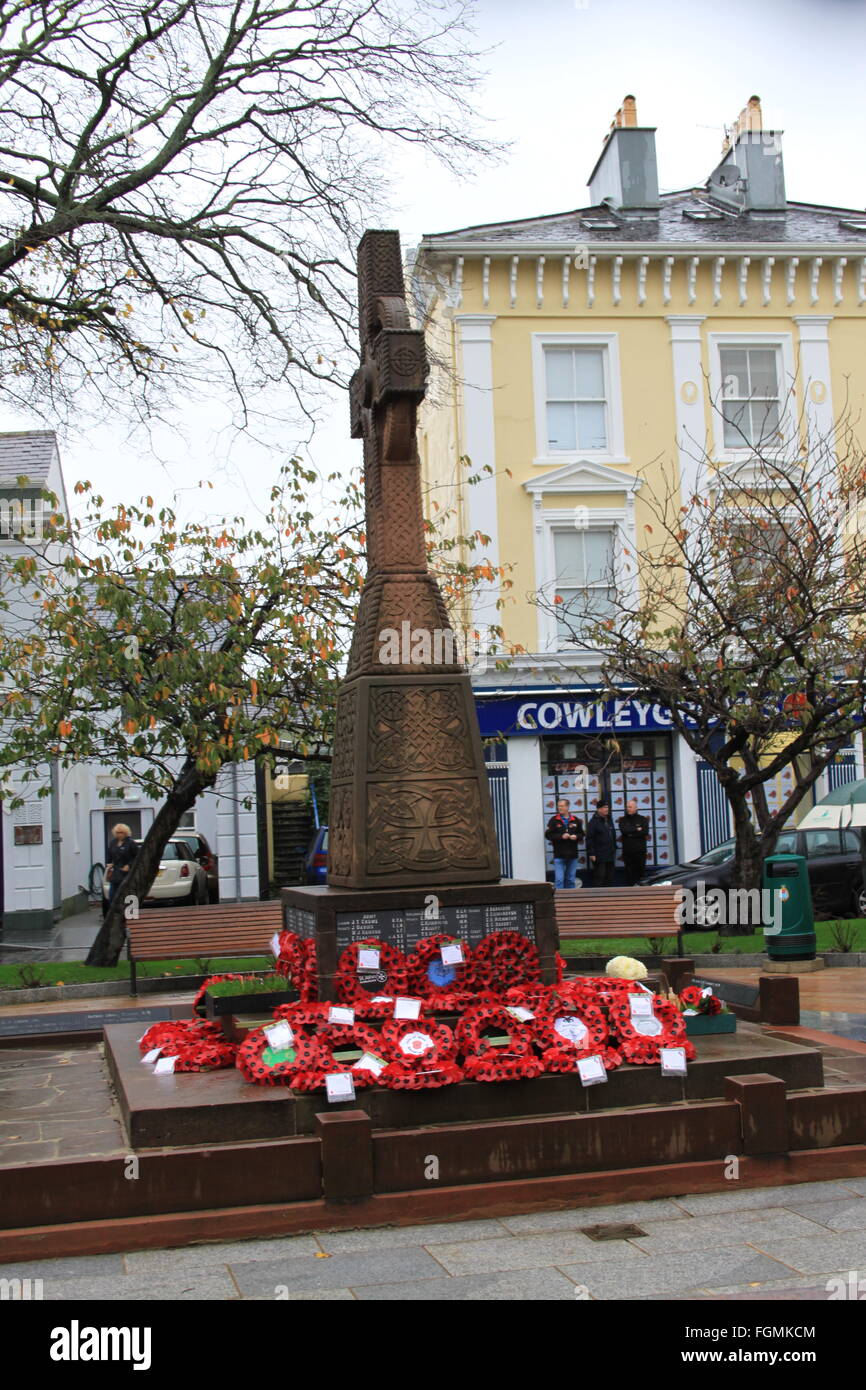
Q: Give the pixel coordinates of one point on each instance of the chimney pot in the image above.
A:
(629, 111)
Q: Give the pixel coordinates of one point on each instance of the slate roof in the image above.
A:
(799, 223)
(27, 453)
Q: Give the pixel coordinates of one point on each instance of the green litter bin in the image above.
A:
(789, 922)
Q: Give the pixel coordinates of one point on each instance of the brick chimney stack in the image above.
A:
(626, 115)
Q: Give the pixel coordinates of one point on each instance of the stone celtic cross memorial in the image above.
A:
(412, 842)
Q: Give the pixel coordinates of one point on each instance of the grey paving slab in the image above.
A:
(216, 1286)
(827, 1254)
(75, 1267)
(207, 1257)
(570, 1220)
(737, 1228)
(351, 1271)
(680, 1272)
(747, 1198)
(857, 1185)
(792, 1282)
(528, 1252)
(392, 1237)
(838, 1216)
(527, 1285)
(311, 1296)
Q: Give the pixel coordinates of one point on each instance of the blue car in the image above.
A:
(316, 862)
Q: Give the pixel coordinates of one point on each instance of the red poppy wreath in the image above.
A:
(330, 1038)
(449, 987)
(195, 1044)
(640, 1039)
(259, 1061)
(505, 959)
(567, 1032)
(485, 1060)
(421, 1056)
(358, 984)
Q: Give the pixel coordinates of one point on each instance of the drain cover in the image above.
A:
(612, 1230)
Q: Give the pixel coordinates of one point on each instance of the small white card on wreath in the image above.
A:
(452, 953)
(673, 1060)
(275, 945)
(368, 1061)
(340, 1085)
(152, 1055)
(407, 1008)
(165, 1066)
(640, 1005)
(591, 1071)
(368, 958)
(336, 1014)
(522, 1015)
(279, 1035)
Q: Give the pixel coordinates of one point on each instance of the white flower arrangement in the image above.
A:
(626, 968)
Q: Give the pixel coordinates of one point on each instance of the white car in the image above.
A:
(180, 880)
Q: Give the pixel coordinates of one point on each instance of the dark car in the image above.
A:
(316, 862)
(205, 856)
(832, 859)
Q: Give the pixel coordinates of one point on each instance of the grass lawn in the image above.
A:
(703, 942)
(33, 974)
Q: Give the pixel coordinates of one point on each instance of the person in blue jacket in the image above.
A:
(601, 845)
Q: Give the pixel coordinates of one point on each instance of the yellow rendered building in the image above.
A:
(579, 362)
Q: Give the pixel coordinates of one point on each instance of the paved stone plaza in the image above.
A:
(761, 1243)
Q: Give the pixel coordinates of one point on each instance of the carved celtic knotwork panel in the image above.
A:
(425, 826)
(344, 734)
(340, 831)
(419, 729)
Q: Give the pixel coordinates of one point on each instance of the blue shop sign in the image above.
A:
(531, 715)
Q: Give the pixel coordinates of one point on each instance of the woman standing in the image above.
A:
(121, 853)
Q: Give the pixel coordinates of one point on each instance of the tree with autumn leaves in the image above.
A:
(167, 651)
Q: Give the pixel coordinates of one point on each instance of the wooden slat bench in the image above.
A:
(219, 929)
(611, 912)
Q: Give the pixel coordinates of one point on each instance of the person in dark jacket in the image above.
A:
(121, 853)
(565, 832)
(601, 845)
(633, 835)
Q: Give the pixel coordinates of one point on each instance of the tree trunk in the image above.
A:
(748, 857)
(138, 880)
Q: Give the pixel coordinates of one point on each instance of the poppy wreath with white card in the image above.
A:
(392, 974)
(195, 1044)
(330, 1038)
(505, 959)
(566, 1032)
(420, 1055)
(641, 1039)
(308, 987)
(484, 1060)
(290, 960)
(448, 986)
(260, 1062)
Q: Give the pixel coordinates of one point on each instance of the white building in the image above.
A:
(49, 845)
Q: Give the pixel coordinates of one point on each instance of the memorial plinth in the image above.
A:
(337, 917)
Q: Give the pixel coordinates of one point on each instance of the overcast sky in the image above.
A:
(557, 72)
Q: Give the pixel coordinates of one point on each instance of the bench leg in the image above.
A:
(133, 978)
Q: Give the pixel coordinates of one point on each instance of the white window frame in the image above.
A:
(609, 343)
(620, 520)
(782, 344)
